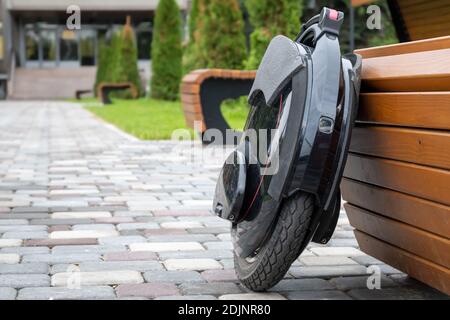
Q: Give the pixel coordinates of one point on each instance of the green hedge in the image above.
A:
(216, 36)
(223, 38)
(270, 18)
(118, 62)
(166, 51)
(126, 64)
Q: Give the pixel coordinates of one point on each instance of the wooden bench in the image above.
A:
(104, 89)
(203, 91)
(397, 178)
(79, 93)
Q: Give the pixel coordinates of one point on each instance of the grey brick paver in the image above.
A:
(77, 195)
(52, 293)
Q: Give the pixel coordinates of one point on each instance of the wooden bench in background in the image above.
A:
(203, 91)
(104, 89)
(80, 93)
(397, 178)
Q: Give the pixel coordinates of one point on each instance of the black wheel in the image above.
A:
(269, 265)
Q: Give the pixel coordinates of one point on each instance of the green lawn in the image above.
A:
(150, 119)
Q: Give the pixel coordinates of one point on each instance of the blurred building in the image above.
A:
(40, 58)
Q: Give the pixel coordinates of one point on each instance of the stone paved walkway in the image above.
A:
(86, 212)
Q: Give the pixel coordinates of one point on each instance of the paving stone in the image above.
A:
(180, 213)
(224, 236)
(25, 235)
(24, 268)
(147, 290)
(130, 256)
(140, 266)
(166, 246)
(59, 228)
(9, 258)
(81, 215)
(227, 263)
(253, 296)
(192, 264)
(61, 258)
(137, 226)
(24, 280)
(204, 254)
(55, 222)
(25, 250)
(314, 284)
(181, 225)
(183, 238)
(366, 260)
(343, 243)
(348, 283)
(83, 234)
(93, 226)
(13, 222)
(209, 230)
(114, 220)
(6, 243)
(21, 228)
(60, 242)
(53, 293)
(219, 275)
(99, 249)
(317, 295)
(164, 232)
(336, 251)
(219, 245)
(7, 294)
(173, 276)
(326, 260)
(219, 288)
(97, 278)
(121, 240)
(327, 271)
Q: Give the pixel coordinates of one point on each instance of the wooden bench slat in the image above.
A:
(424, 214)
(409, 9)
(410, 109)
(417, 267)
(406, 47)
(425, 147)
(419, 71)
(420, 181)
(421, 243)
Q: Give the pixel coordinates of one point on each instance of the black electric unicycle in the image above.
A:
(280, 187)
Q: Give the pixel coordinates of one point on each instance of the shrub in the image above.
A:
(126, 64)
(270, 18)
(223, 39)
(192, 56)
(117, 61)
(103, 65)
(166, 51)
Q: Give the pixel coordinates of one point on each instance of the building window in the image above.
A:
(31, 45)
(88, 42)
(68, 47)
(48, 40)
(144, 44)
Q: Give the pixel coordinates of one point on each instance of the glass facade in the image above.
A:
(47, 45)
